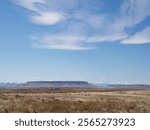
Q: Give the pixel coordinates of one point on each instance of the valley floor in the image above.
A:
(136, 101)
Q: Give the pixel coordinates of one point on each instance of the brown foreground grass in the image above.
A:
(79, 101)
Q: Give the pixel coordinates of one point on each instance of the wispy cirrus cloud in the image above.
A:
(45, 18)
(61, 42)
(40, 12)
(85, 22)
(141, 37)
(133, 12)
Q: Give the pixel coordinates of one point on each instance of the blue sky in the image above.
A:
(101, 41)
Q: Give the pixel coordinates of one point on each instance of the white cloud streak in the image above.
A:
(43, 16)
(139, 38)
(61, 42)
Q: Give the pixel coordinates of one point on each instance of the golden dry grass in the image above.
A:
(79, 101)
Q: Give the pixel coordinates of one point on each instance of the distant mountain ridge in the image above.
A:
(8, 84)
(68, 84)
(123, 85)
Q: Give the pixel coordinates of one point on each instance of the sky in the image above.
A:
(99, 41)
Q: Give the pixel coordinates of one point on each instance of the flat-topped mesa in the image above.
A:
(81, 82)
(59, 83)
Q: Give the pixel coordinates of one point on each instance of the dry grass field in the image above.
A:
(76, 101)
